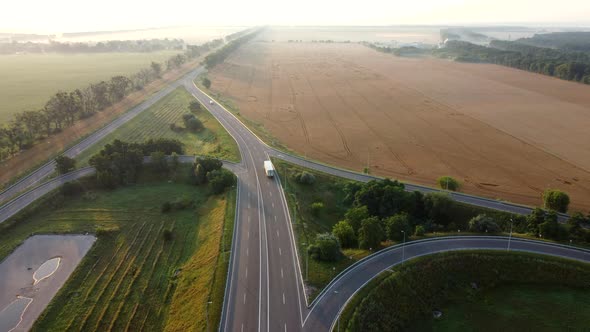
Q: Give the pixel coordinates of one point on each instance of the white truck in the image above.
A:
(269, 169)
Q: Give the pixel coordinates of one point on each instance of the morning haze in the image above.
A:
(294, 165)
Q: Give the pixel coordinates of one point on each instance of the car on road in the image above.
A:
(210, 102)
(269, 169)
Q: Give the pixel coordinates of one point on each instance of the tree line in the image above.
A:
(220, 55)
(383, 210)
(63, 109)
(145, 45)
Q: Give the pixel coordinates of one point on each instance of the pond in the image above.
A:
(32, 275)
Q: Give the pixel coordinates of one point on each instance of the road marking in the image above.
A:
(275, 218)
(277, 233)
(283, 298)
(246, 273)
(281, 273)
(249, 205)
(247, 251)
(242, 327)
(285, 327)
(248, 219)
(280, 252)
(248, 235)
(244, 298)
(273, 205)
(270, 193)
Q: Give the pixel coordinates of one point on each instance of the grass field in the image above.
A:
(155, 122)
(134, 277)
(28, 80)
(516, 308)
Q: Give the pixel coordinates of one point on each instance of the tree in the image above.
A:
(354, 216)
(206, 82)
(345, 234)
(370, 233)
(437, 207)
(64, 164)
(194, 106)
(534, 219)
(118, 87)
(194, 124)
(325, 248)
(419, 231)
(448, 183)
(397, 225)
(483, 223)
(305, 178)
(219, 180)
(316, 208)
(556, 200)
(209, 164)
(200, 174)
(158, 161)
(156, 68)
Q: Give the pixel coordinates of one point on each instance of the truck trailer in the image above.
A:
(269, 169)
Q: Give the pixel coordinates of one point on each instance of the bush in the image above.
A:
(194, 124)
(419, 231)
(556, 200)
(448, 183)
(325, 248)
(206, 82)
(219, 180)
(72, 188)
(397, 226)
(370, 233)
(166, 207)
(482, 223)
(316, 208)
(194, 106)
(305, 178)
(438, 207)
(345, 234)
(64, 164)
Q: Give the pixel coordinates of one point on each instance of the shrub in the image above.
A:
(325, 248)
(316, 208)
(356, 215)
(483, 223)
(305, 178)
(419, 231)
(448, 183)
(64, 164)
(398, 225)
(194, 124)
(370, 233)
(556, 200)
(345, 234)
(219, 180)
(194, 106)
(206, 82)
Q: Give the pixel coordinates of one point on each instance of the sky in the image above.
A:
(53, 16)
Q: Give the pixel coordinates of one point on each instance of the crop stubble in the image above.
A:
(504, 133)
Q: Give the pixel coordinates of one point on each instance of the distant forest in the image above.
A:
(150, 45)
(565, 55)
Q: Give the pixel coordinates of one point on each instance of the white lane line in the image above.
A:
(273, 205)
(248, 235)
(281, 273)
(275, 218)
(247, 251)
(270, 193)
(280, 252)
(242, 327)
(246, 273)
(283, 298)
(285, 327)
(244, 298)
(248, 219)
(249, 205)
(277, 233)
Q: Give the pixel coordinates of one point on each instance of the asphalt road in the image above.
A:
(264, 291)
(46, 170)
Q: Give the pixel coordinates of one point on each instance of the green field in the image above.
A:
(134, 277)
(28, 80)
(155, 122)
(517, 308)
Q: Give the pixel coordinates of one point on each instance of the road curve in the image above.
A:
(324, 311)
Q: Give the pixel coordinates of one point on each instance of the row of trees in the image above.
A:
(573, 66)
(576, 41)
(119, 163)
(383, 210)
(220, 55)
(64, 108)
(146, 45)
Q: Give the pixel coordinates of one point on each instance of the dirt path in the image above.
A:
(504, 133)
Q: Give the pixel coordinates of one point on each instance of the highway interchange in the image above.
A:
(264, 290)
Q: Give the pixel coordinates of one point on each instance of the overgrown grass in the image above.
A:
(475, 290)
(213, 140)
(28, 80)
(131, 277)
(516, 308)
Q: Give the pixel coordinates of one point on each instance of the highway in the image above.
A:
(264, 290)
